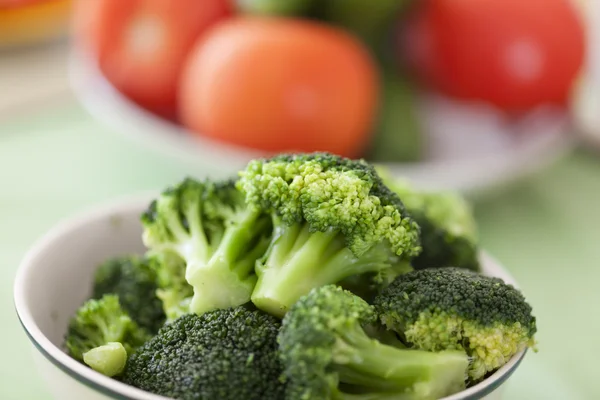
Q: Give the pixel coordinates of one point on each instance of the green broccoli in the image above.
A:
(332, 218)
(99, 322)
(297, 8)
(222, 354)
(371, 21)
(208, 225)
(131, 278)
(328, 354)
(452, 308)
(108, 359)
(173, 290)
(449, 234)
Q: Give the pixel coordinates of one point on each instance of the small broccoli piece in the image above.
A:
(449, 235)
(223, 354)
(101, 321)
(131, 278)
(208, 225)
(108, 359)
(332, 218)
(453, 308)
(173, 290)
(328, 354)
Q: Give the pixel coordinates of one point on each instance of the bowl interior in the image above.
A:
(56, 276)
(60, 277)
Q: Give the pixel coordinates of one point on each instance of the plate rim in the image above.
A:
(124, 117)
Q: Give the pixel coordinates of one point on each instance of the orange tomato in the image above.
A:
(140, 45)
(280, 85)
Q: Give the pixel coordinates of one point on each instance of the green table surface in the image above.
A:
(546, 231)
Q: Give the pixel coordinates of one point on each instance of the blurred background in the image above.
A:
(495, 99)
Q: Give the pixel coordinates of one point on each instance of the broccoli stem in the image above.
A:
(175, 303)
(216, 286)
(227, 278)
(109, 331)
(376, 367)
(376, 396)
(300, 260)
(108, 359)
(244, 242)
(195, 243)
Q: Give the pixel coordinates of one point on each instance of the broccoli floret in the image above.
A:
(453, 308)
(133, 280)
(101, 321)
(222, 354)
(449, 235)
(108, 359)
(327, 354)
(173, 290)
(332, 218)
(208, 225)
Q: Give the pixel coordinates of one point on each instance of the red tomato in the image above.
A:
(281, 85)
(141, 45)
(515, 54)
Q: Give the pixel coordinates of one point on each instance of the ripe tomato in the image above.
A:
(141, 45)
(515, 54)
(281, 85)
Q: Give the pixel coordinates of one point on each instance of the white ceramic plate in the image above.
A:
(472, 147)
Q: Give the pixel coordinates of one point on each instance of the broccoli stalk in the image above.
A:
(328, 353)
(300, 260)
(367, 363)
(209, 226)
(236, 254)
(376, 396)
(108, 359)
(173, 290)
(332, 218)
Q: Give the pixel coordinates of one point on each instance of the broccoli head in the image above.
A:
(99, 322)
(328, 354)
(222, 354)
(332, 218)
(452, 308)
(133, 280)
(449, 236)
(208, 225)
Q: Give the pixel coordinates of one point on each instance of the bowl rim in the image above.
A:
(121, 391)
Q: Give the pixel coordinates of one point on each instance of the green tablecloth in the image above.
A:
(546, 231)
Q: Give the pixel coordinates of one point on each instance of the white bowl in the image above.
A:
(55, 278)
(472, 147)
